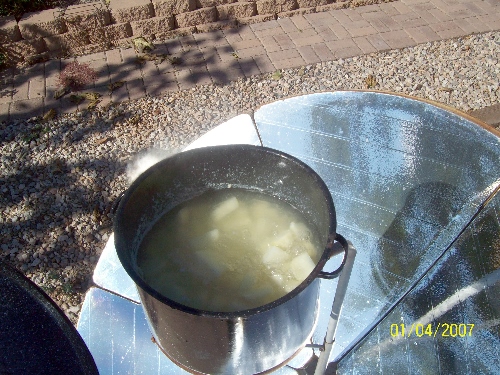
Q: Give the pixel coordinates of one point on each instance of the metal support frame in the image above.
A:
(336, 310)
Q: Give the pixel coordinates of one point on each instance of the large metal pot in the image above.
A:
(243, 342)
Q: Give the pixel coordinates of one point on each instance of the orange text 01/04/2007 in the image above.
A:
(432, 330)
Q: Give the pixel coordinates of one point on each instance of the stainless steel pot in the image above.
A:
(244, 342)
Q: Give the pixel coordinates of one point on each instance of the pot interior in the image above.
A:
(189, 174)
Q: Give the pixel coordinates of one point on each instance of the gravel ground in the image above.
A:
(59, 178)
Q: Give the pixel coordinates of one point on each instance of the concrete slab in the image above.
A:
(28, 108)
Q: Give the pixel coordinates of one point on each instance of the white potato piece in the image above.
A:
(183, 215)
(291, 284)
(206, 239)
(213, 235)
(225, 208)
(300, 230)
(274, 255)
(301, 266)
(215, 266)
(262, 228)
(311, 250)
(278, 279)
(285, 240)
(236, 220)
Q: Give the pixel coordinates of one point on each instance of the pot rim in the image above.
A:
(315, 273)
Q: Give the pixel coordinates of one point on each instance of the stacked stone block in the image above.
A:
(150, 27)
(165, 8)
(196, 17)
(130, 10)
(236, 10)
(41, 24)
(275, 6)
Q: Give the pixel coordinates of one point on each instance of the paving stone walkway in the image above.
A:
(219, 57)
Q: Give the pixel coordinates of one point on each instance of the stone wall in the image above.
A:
(97, 26)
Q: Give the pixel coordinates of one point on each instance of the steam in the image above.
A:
(144, 160)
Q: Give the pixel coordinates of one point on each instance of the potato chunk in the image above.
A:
(215, 266)
(225, 208)
(274, 255)
(301, 266)
(285, 240)
(300, 230)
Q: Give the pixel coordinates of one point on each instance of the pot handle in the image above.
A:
(334, 250)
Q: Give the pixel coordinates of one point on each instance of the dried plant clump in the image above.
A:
(76, 75)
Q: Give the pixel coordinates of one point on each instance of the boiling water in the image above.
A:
(228, 250)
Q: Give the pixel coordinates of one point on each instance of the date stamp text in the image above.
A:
(432, 330)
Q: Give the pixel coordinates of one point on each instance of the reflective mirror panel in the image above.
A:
(109, 273)
(117, 334)
(406, 177)
(450, 322)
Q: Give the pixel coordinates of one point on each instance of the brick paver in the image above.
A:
(264, 64)
(301, 22)
(288, 25)
(309, 55)
(246, 33)
(249, 67)
(232, 36)
(248, 43)
(6, 94)
(20, 90)
(270, 44)
(36, 88)
(306, 33)
(248, 53)
(4, 111)
(364, 45)
(120, 94)
(397, 39)
(283, 55)
(219, 57)
(378, 42)
(136, 89)
(114, 56)
(323, 52)
(422, 34)
(290, 63)
(224, 76)
(339, 31)
(27, 108)
(284, 41)
(326, 33)
(156, 87)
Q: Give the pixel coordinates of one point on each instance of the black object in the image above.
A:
(244, 342)
(35, 335)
